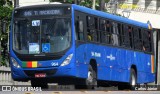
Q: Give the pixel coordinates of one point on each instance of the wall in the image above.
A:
(5, 77)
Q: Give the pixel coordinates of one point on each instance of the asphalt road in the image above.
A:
(84, 92)
(52, 90)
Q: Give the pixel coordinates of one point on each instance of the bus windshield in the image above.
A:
(36, 36)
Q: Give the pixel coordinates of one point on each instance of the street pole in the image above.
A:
(94, 4)
(16, 3)
(0, 42)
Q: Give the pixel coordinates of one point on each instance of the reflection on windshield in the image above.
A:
(41, 36)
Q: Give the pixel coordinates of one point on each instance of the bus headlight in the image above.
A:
(67, 60)
(15, 64)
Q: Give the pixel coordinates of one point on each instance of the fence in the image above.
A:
(6, 79)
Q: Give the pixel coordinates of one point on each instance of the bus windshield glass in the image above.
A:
(36, 36)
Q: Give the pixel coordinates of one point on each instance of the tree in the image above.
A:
(5, 9)
(94, 4)
(5, 17)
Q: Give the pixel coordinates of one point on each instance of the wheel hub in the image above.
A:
(90, 77)
(133, 82)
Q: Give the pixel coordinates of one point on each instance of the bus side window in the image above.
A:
(89, 37)
(122, 36)
(92, 32)
(90, 22)
(79, 29)
(96, 34)
(150, 40)
(136, 38)
(140, 39)
(108, 31)
(146, 42)
(126, 37)
(130, 30)
(115, 33)
(103, 31)
(137, 41)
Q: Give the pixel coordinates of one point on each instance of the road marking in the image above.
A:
(57, 92)
(28, 93)
(84, 91)
(107, 91)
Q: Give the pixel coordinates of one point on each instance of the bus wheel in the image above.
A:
(133, 79)
(91, 80)
(39, 83)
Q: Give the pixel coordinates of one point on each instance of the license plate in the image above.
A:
(40, 75)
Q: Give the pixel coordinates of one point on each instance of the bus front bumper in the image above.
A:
(24, 74)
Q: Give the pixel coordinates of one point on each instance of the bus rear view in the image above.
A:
(41, 43)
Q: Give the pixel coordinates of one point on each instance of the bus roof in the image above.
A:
(42, 5)
(109, 16)
(93, 12)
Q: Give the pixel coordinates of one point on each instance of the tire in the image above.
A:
(133, 79)
(132, 82)
(39, 83)
(88, 83)
(91, 81)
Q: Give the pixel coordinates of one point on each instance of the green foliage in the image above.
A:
(5, 13)
(99, 4)
(2, 2)
(86, 3)
(69, 1)
(5, 17)
(106, 1)
(5, 10)
(3, 62)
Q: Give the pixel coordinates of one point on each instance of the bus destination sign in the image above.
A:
(42, 12)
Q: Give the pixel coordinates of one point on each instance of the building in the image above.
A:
(141, 10)
(20, 3)
(32, 2)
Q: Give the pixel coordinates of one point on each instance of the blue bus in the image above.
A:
(72, 44)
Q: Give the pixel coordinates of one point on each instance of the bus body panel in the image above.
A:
(81, 63)
(113, 63)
